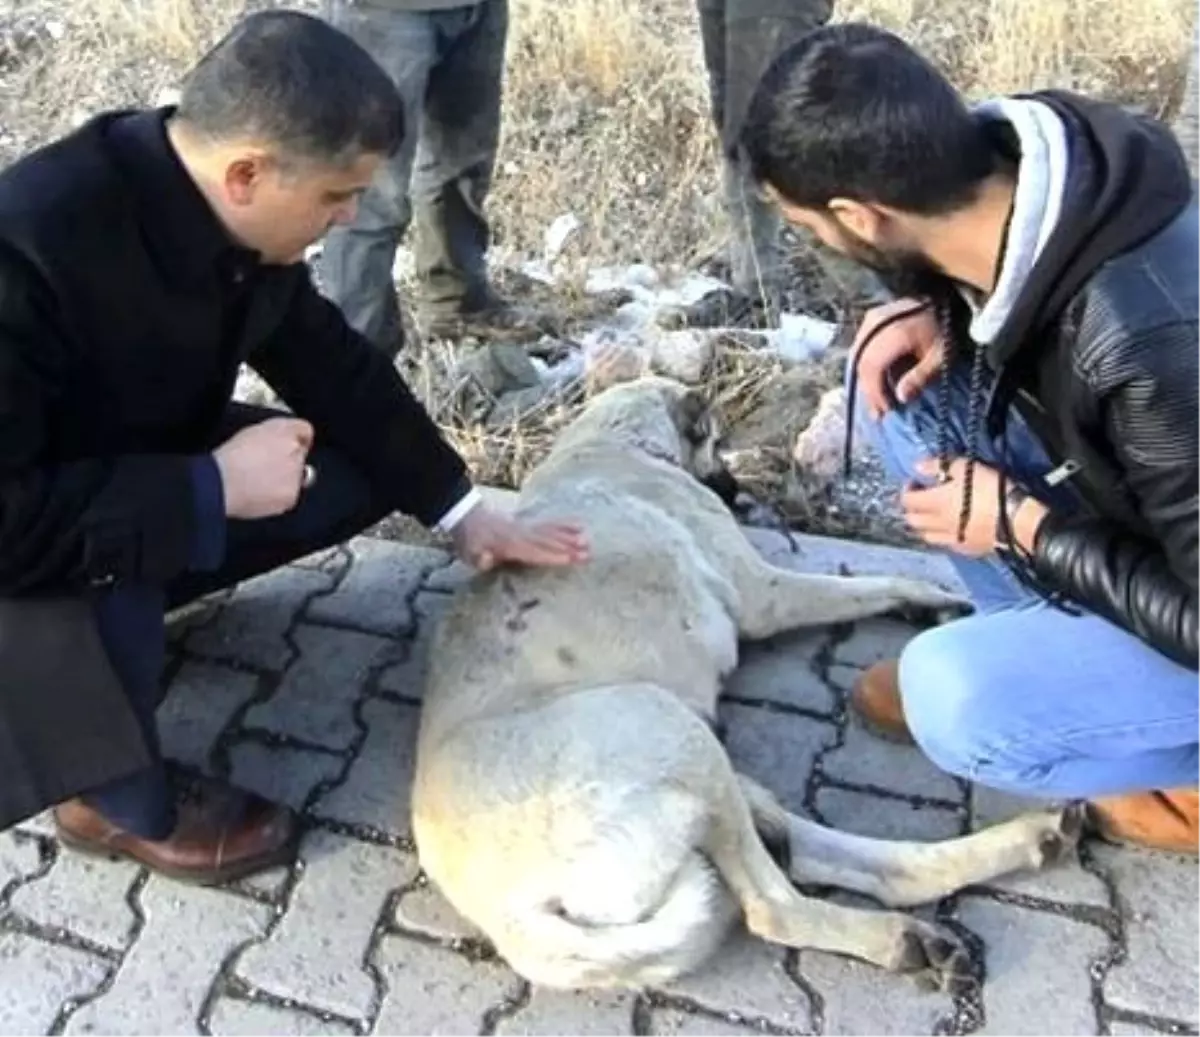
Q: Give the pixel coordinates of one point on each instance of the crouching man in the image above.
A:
(1034, 389)
(142, 259)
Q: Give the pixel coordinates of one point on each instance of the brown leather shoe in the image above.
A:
(221, 833)
(1153, 820)
(875, 697)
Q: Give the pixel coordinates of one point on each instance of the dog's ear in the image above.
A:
(695, 417)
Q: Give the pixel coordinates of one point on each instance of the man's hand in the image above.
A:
(932, 512)
(262, 467)
(917, 337)
(486, 538)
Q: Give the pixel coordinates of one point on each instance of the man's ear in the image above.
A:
(243, 177)
(865, 222)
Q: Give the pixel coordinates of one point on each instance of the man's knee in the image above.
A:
(952, 702)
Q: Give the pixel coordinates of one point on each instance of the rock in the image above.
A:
(819, 447)
(684, 355)
(514, 406)
(610, 360)
(500, 367)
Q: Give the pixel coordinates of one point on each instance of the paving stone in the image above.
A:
(747, 976)
(40, 824)
(268, 883)
(864, 759)
(85, 896)
(38, 979)
(253, 625)
(424, 910)
(779, 670)
(670, 1022)
(378, 788)
(374, 594)
(315, 700)
(282, 774)
(1158, 899)
(884, 818)
(841, 677)
(432, 990)
(1034, 958)
(1066, 882)
(407, 678)
(316, 954)
(19, 858)
(872, 641)
(554, 1012)
(450, 578)
(775, 749)
(234, 1018)
(1119, 1028)
(200, 702)
(168, 972)
(332, 560)
(861, 998)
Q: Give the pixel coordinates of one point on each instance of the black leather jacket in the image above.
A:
(1117, 397)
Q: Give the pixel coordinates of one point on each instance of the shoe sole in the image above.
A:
(281, 857)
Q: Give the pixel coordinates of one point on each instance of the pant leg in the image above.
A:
(358, 259)
(1038, 702)
(130, 619)
(907, 434)
(755, 34)
(456, 158)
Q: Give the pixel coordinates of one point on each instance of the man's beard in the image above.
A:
(905, 273)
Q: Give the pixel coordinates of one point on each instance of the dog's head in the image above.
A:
(666, 419)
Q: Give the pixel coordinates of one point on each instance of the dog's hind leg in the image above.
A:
(901, 873)
(772, 601)
(775, 910)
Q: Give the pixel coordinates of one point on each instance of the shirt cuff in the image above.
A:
(457, 513)
(208, 536)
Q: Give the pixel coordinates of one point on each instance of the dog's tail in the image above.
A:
(686, 927)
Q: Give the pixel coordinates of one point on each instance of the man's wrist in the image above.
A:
(453, 518)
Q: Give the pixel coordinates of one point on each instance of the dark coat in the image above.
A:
(125, 312)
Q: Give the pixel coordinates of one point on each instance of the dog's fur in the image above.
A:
(570, 796)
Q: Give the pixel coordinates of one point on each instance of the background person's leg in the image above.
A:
(358, 259)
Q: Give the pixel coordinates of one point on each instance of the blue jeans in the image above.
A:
(1021, 696)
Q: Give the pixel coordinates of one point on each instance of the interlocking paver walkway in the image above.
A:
(305, 685)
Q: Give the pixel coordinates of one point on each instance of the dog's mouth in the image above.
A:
(725, 486)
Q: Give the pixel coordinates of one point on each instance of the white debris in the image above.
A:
(557, 235)
(800, 337)
(818, 449)
(683, 355)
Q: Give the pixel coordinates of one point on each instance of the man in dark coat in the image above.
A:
(1034, 390)
(142, 259)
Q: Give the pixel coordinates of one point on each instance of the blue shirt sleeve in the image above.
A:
(208, 539)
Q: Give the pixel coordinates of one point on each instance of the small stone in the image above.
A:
(819, 448)
(682, 355)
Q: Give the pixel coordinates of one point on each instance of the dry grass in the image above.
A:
(606, 117)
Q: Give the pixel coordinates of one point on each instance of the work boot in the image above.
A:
(1155, 820)
(221, 833)
(875, 697)
(489, 317)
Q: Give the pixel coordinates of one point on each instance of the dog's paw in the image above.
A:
(935, 957)
(1059, 834)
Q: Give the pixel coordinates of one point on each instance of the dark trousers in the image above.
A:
(741, 38)
(130, 618)
(448, 66)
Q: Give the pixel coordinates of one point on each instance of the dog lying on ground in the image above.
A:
(570, 796)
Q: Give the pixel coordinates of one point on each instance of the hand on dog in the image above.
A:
(486, 538)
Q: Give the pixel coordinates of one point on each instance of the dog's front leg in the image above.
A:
(773, 601)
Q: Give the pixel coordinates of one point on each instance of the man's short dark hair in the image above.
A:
(295, 81)
(851, 111)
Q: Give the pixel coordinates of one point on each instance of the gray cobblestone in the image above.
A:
(747, 976)
(282, 774)
(450, 578)
(864, 759)
(1158, 899)
(316, 954)
(1034, 958)
(233, 1018)
(775, 749)
(424, 910)
(1123, 1029)
(315, 700)
(18, 858)
(377, 789)
(374, 594)
(200, 702)
(554, 1012)
(38, 978)
(83, 895)
(407, 678)
(885, 818)
(670, 1022)
(873, 640)
(432, 990)
(164, 978)
(252, 626)
(774, 671)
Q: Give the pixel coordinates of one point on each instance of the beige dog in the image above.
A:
(571, 798)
